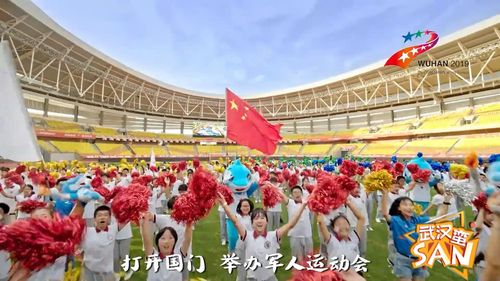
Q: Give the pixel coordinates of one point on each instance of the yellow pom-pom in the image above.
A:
(417, 208)
(378, 180)
(471, 160)
(123, 160)
(143, 163)
(459, 171)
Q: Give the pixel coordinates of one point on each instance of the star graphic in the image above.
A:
(404, 56)
(423, 47)
(414, 51)
(234, 105)
(407, 37)
(418, 34)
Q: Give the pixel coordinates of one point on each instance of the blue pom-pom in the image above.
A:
(340, 161)
(394, 159)
(480, 160)
(493, 158)
(420, 154)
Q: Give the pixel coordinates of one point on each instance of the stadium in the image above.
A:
(86, 106)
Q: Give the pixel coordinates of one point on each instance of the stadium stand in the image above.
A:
(63, 126)
(208, 149)
(79, 147)
(316, 149)
(485, 144)
(101, 131)
(145, 149)
(108, 148)
(443, 121)
(46, 146)
(236, 150)
(382, 147)
(289, 149)
(181, 149)
(431, 146)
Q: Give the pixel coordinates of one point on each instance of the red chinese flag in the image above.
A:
(247, 127)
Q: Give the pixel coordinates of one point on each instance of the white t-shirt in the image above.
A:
(53, 272)
(438, 199)
(11, 191)
(303, 227)
(164, 221)
(163, 274)
(88, 210)
(98, 249)
(157, 197)
(246, 221)
(175, 187)
(393, 196)
(349, 248)
(484, 237)
(4, 264)
(421, 192)
(360, 203)
(125, 232)
(260, 247)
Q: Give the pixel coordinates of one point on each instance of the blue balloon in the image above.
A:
(63, 207)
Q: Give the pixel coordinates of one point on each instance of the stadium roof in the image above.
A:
(51, 61)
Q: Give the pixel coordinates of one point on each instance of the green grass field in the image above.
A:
(206, 242)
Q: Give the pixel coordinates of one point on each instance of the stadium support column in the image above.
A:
(145, 124)
(392, 115)
(101, 118)
(294, 127)
(471, 103)
(311, 125)
(164, 126)
(329, 124)
(368, 119)
(347, 122)
(124, 122)
(182, 127)
(75, 113)
(417, 111)
(441, 105)
(45, 107)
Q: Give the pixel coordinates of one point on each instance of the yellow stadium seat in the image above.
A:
(316, 149)
(142, 134)
(173, 136)
(382, 147)
(481, 145)
(83, 148)
(45, 145)
(209, 149)
(181, 149)
(432, 146)
(63, 126)
(108, 148)
(101, 131)
(144, 150)
(237, 150)
(289, 149)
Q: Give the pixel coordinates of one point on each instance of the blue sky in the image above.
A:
(255, 46)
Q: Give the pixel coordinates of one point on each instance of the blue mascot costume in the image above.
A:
(239, 179)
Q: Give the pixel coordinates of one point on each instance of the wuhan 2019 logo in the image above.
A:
(405, 56)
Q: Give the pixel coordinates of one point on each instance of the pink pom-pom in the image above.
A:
(37, 243)
(129, 204)
(270, 195)
(226, 193)
(29, 206)
(348, 168)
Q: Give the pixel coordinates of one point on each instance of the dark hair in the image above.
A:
(296, 187)
(189, 171)
(340, 216)
(256, 212)
(183, 187)
(238, 208)
(125, 169)
(102, 208)
(4, 169)
(273, 173)
(163, 170)
(394, 210)
(61, 180)
(30, 186)
(160, 234)
(171, 202)
(400, 177)
(5, 208)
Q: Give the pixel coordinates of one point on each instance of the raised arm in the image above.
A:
(411, 186)
(188, 236)
(147, 234)
(385, 207)
(492, 255)
(428, 209)
(443, 208)
(359, 216)
(239, 227)
(325, 234)
(283, 231)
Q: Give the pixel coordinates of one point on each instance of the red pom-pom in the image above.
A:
(196, 163)
(129, 204)
(135, 174)
(29, 206)
(280, 177)
(226, 193)
(284, 165)
(270, 195)
(412, 168)
(330, 193)
(108, 194)
(348, 168)
(174, 166)
(293, 180)
(360, 170)
(187, 209)
(182, 166)
(172, 178)
(52, 181)
(397, 169)
(312, 275)
(345, 183)
(160, 181)
(97, 172)
(203, 185)
(310, 188)
(15, 178)
(153, 169)
(481, 201)
(381, 165)
(286, 174)
(37, 243)
(96, 182)
(112, 174)
(421, 175)
(20, 169)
